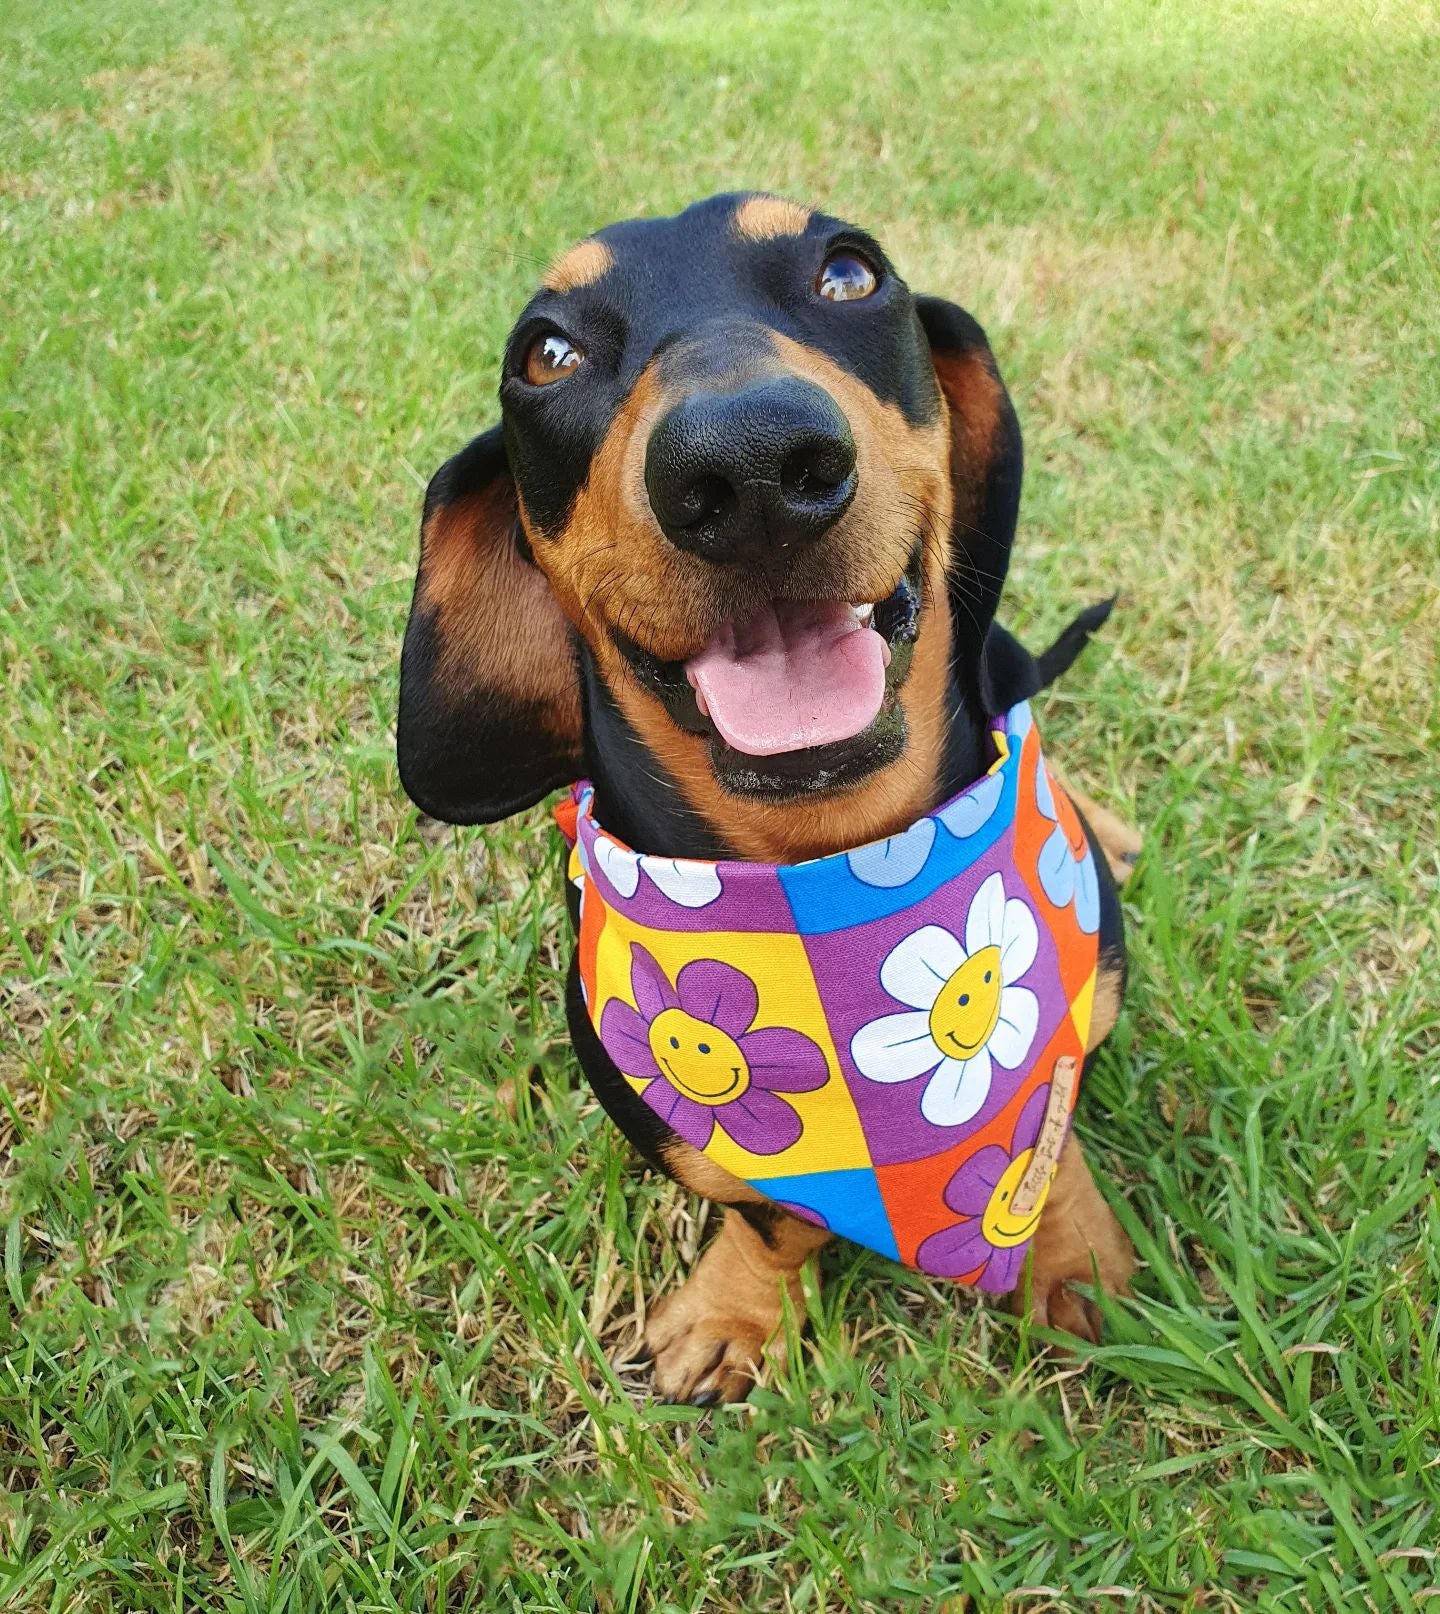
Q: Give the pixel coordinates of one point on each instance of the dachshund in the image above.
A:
(734, 555)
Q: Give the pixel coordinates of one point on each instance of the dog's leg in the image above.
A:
(1078, 1239)
(1121, 844)
(1077, 1222)
(1105, 1007)
(707, 1339)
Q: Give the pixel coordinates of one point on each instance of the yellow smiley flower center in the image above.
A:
(703, 1061)
(968, 1007)
(1001, 1225)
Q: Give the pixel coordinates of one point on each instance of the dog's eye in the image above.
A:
(551, 358)
(845, 277)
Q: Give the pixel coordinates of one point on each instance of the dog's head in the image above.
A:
(743, 484)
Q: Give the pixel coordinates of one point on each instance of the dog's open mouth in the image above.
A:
(798, 695)
(795, 676)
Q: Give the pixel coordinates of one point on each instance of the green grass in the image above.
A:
(297, 1312)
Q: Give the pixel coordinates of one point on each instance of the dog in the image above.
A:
(734, 555)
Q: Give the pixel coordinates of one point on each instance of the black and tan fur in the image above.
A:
(552, 610)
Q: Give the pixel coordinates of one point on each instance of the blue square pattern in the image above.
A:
(849, 1203)
(873, 882)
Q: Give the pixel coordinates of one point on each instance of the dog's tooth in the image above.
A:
(695, 690)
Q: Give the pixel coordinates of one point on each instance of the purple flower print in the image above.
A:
(993, 1238)
(692, 1043)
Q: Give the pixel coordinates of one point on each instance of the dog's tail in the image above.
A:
(1013, 674)
(1049, 664)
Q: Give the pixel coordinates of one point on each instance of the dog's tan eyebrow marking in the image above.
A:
(580, 265)
(763, 218)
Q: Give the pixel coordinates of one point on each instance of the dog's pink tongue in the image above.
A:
(793, 677)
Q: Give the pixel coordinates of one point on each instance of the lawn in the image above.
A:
(319, 1261)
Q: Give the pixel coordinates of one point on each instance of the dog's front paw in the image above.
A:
(704, 1351)
(1078, 1241)
(708, 1340)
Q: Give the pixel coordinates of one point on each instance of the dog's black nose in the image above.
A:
(745, 475)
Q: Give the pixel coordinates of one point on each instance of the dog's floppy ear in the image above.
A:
(986, 466)
(489, 682)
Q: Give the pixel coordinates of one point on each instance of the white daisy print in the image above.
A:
(620, 866)
(966, 1010)
(691, 884)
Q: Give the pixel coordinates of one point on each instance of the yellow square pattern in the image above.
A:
(832, 1139)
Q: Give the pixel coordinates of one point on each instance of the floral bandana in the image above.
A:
(886, 1042)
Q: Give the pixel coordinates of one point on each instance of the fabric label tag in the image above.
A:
(1051, 1139)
